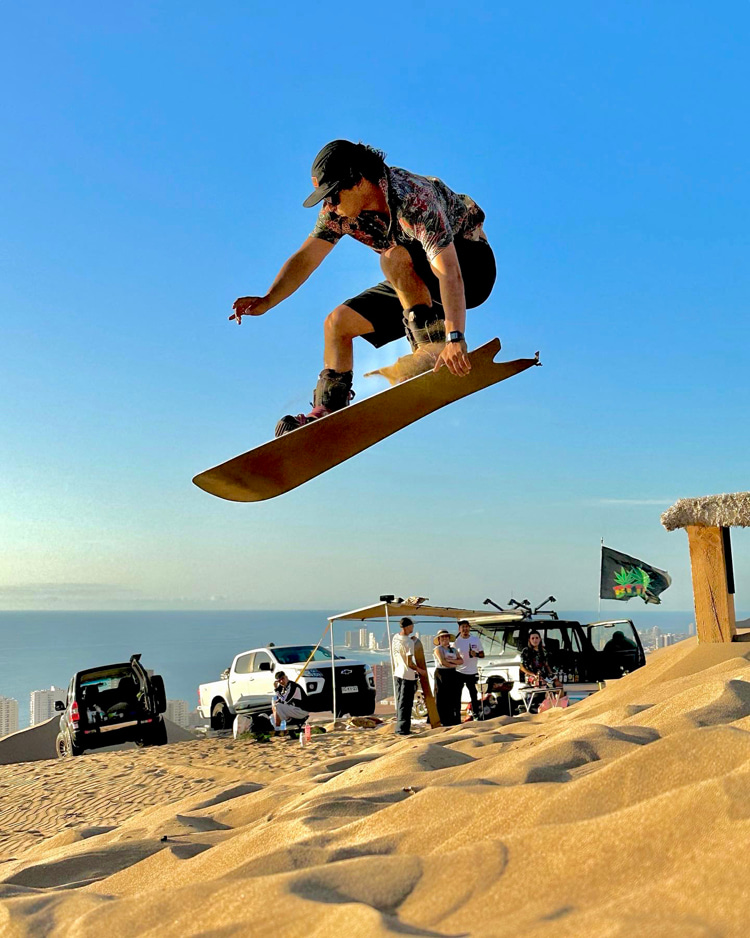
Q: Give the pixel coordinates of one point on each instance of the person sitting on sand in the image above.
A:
(287, 701)
(448, 685)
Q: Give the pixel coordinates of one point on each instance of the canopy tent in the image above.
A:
(413, 609)
(387, 609)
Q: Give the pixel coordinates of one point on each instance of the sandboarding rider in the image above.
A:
(405, 670)
(433, 251)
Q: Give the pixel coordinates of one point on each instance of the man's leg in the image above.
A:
(341, 327)
(410, 688)
(398, 267)
(334, 388)
(423, 324)
(403, 715)
(470, 680)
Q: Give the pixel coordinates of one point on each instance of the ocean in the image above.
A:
(41, 649)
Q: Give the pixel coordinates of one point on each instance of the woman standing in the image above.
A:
(447, 685)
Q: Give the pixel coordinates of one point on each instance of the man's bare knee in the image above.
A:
(346, 323)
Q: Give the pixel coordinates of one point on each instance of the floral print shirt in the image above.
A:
(423, 209)
(534, 660)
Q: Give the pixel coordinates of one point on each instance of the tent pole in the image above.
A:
(390, 651)
(333, 672)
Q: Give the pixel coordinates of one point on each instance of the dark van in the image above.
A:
(112, 704)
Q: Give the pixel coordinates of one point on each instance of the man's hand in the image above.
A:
(455, 358)
(249, 306)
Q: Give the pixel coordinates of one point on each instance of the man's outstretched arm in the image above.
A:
(447, 269)
(290, 278)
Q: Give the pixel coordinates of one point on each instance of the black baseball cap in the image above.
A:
(332, 169)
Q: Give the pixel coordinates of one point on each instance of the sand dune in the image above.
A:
(626, 815)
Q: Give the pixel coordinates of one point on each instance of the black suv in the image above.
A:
(112, 704)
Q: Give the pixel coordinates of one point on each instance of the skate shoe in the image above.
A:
(333, 391)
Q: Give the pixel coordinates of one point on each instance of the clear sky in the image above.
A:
(153, 161)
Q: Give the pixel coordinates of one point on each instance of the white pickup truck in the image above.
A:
(247, 686)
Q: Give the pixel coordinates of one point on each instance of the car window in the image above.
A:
(613, 637)
(492, 642)
(244, 664)
(295, 654)
(513, 640)
(106, 678)
(262, 658)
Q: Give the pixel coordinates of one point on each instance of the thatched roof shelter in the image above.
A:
(709, 511)
(707, 521)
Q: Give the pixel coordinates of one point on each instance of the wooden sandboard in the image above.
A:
(290, 460)
(429, 698)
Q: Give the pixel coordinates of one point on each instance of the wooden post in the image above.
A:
(712, 580)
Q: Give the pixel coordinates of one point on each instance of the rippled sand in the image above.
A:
(626, 815)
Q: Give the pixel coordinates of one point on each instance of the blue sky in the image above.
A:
(154, 158)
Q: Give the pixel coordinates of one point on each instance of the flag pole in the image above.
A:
(599, 590)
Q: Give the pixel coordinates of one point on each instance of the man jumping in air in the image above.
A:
(433, 253)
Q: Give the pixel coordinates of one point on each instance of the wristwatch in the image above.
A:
(455, 337)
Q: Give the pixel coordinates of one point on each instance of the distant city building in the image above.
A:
(177, 712)
(691, 629)
(42, 703)
(373, 642)
(384, 640)
(8, 715)
(364, 638)
(666, 639)
(383, 675)
(427, 641)
(351, 639)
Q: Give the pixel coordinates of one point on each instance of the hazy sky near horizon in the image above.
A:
(155, 156)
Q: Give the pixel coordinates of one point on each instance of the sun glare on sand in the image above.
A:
(626, 815)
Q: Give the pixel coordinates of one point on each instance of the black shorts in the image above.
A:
(381, 306)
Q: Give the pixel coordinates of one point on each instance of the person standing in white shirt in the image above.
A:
(405, 670)
(467, 674)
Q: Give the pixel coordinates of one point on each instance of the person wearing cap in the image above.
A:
(467, 674)
(287, 701)
(447, 685)
(433, 252)
(405, 670)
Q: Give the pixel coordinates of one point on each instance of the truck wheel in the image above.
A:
(419, 707)
(65, 747)
(160, 694)
(160, 734)
(156, 735)
(221, 718)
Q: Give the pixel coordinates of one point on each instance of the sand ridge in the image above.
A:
(628, 814)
